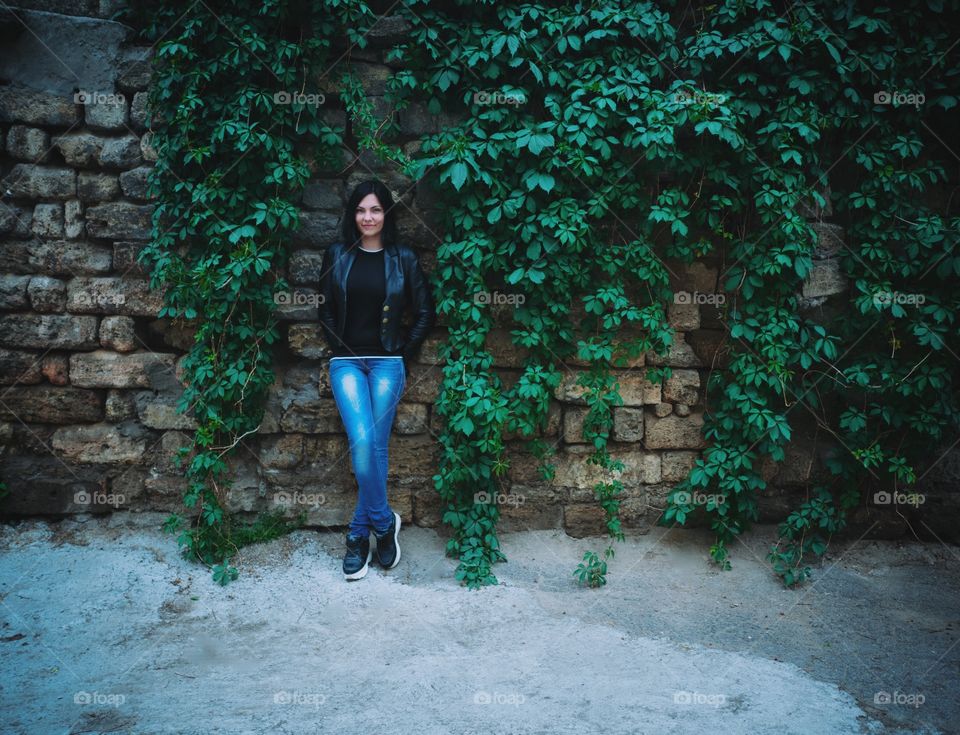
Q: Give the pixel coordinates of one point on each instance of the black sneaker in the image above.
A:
(388, 549)
(357, 558)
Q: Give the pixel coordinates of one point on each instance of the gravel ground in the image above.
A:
(106, 629)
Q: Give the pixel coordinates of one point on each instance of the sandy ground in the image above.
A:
(106, 629)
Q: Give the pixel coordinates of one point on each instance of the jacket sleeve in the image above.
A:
(420, 295)
(327, 308)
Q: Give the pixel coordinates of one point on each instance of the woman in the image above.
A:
(367, 281)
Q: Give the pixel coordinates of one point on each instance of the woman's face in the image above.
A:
(369, 216)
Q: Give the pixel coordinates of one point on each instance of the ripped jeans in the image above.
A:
(366, 390)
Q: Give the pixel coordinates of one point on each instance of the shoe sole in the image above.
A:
(396, 542)
(362, 572)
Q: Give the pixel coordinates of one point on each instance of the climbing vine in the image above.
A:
(598, 142)
(239, 122)
(583, 155)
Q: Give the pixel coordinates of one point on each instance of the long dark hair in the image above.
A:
(348, 221)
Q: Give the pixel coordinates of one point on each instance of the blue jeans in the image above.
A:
(367, 390)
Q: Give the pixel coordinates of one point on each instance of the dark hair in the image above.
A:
(348, 222)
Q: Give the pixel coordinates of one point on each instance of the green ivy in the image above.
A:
(234, 154)
(623, 140)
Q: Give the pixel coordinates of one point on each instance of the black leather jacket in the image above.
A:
(406, 286)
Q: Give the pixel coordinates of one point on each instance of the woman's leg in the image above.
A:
(351, 391)
(387, 380)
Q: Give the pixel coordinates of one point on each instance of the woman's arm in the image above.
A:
(327, 306)
(420, 295)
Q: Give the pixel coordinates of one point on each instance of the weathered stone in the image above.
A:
(680, 354)
(316, 228)
(135, 68)
(138, 112)
(147, 150)
(54, 257)
(125, 261)
(48, 331)
(13, 292)
(681, 409)
(627, 424)
(94, 186)
(47, 294)
(423, 383)
(387, 30)
(281, 451)
(106, 112)
(120, 221)
(80, 149)
(303, 269)
(128, 296)
(574, 472)
(19, 367)
(48, 220)
(674, 432)
(317, 416)
(662, 409)
(121, 153)
(829, 239)
(105, 369)
(134, 182)
(73, 219)
(584, 519)
(573, 417)
(323, 194)
(635, 389)
(101, 443)
(677, 465)
(307, 341)
(30, 181)
(178, 335)
(28, 144)
(21, 105)
(118, 333)
(683, 317)
(120, 406)
(56, 368)
(51, 405)
(683, 386)
(159, 411)
(711, 347)
(825, 279)
(411, 418)
(15, 220)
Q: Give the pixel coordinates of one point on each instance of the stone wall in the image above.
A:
(89, 377)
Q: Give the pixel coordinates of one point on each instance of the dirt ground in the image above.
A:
(106, 629)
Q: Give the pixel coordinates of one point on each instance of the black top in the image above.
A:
(366, 292)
